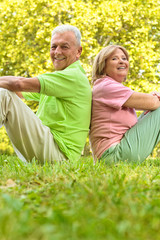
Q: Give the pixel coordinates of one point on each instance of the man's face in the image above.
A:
(64, 50)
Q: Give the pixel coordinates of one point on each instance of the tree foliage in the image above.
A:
(26, 26)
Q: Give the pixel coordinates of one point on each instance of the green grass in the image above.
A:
(79, 200)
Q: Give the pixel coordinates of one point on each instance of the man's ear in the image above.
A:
(79, 52)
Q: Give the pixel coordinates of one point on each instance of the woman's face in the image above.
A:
(117, 65)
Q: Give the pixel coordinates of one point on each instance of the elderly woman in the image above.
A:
(116, 133)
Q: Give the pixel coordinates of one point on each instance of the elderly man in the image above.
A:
(59, 129)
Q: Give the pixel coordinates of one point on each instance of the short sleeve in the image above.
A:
(61, 84)
(113, 94)
(31, 96)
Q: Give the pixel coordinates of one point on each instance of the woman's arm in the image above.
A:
(143, 101)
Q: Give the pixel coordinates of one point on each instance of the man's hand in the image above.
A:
(19, 94)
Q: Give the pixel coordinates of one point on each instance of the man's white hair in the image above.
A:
(68, 28)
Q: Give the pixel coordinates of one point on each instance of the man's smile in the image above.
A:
(59, 58)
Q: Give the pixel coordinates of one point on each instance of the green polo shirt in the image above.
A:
(65, 107)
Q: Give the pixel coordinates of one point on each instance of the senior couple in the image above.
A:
(59, 129)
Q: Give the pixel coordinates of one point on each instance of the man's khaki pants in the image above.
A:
(30, 138)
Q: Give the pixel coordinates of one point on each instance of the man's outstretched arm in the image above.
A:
(20, 84)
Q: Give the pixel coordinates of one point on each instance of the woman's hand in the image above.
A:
(157, 94)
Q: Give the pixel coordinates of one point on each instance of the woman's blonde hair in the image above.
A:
(100, 60)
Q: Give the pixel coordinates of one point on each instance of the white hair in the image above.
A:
(68, 28)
